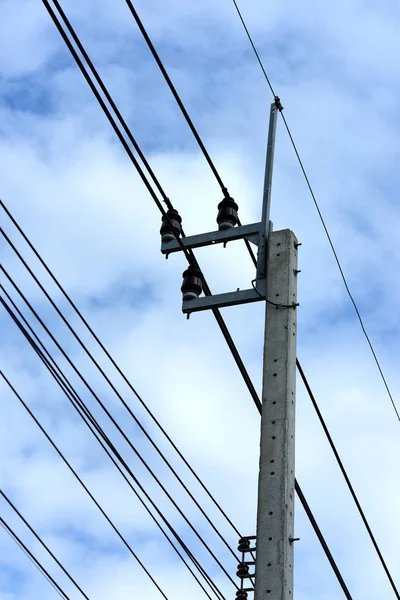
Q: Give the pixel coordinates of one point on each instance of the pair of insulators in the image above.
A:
(227, 217)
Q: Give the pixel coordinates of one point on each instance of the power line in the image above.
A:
(94, 427)
(322, 540)
(118, 427)
(346, 477)
(177, 97)
(183, 109)
(61, 455)
(206, 289)
(119, 396)
(33, 559)
(344, 279)
(189, 255)
(7, 499)
(298, 489)
(114, 125)
(254, 48)
(104, 349)
(308, 512)
(307, 385)
(112, 103)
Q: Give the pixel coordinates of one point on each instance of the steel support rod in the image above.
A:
(275, 515)
(266, 206)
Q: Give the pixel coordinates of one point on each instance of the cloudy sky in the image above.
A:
(72, 188)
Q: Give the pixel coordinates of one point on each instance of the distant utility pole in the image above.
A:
(275, 283)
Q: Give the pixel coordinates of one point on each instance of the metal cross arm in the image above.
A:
(248, 232)
(228, 299)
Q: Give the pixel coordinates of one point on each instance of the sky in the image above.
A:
(68, 182)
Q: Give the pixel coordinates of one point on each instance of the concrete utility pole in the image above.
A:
(275, 516)
(275, 283)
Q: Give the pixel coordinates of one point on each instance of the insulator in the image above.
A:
(241, 595)
(227, 213)
(242, 570)
(192, 285)
(168, 234)
(244, 545)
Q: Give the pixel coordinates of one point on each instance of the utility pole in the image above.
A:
(276, 284)
(275, 515)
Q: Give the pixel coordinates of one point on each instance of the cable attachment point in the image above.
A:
(192, 284)
(227, 213)
(241, 595)
(168, 203)
(293, 539)
(171, 225)
(278, 103)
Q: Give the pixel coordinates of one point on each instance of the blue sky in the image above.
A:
(70, 185)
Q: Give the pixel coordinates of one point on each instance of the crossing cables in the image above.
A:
(207, 291)
(337, 260)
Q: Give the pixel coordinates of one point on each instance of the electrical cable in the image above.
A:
(302, 375)
(347, 479)
(189, 255)
(118, 369)
(61, 455)
(322, 540)
(119, 396)
(114, 125)
(344, 279)
(254, 48)
(120, 430)
(177, 97)
(7, 499)
(87, 417)
(32, 558)
(112, 103)
(183, 110)
(313, 522)
(222, 324)
(300, 494)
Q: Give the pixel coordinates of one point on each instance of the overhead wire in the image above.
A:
(75, 474)
(33, 559)
(207, 291)
(188, 254)
(96, 430)
(119, 396)
(42, 543)
(119, 428)
(298, 489)
(298, 364)
(337, 260)
(183, 109)
(322, 541)
(118, 369)
(347, 479)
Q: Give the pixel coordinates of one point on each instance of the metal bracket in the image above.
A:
(255, 294)
(249, 232)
